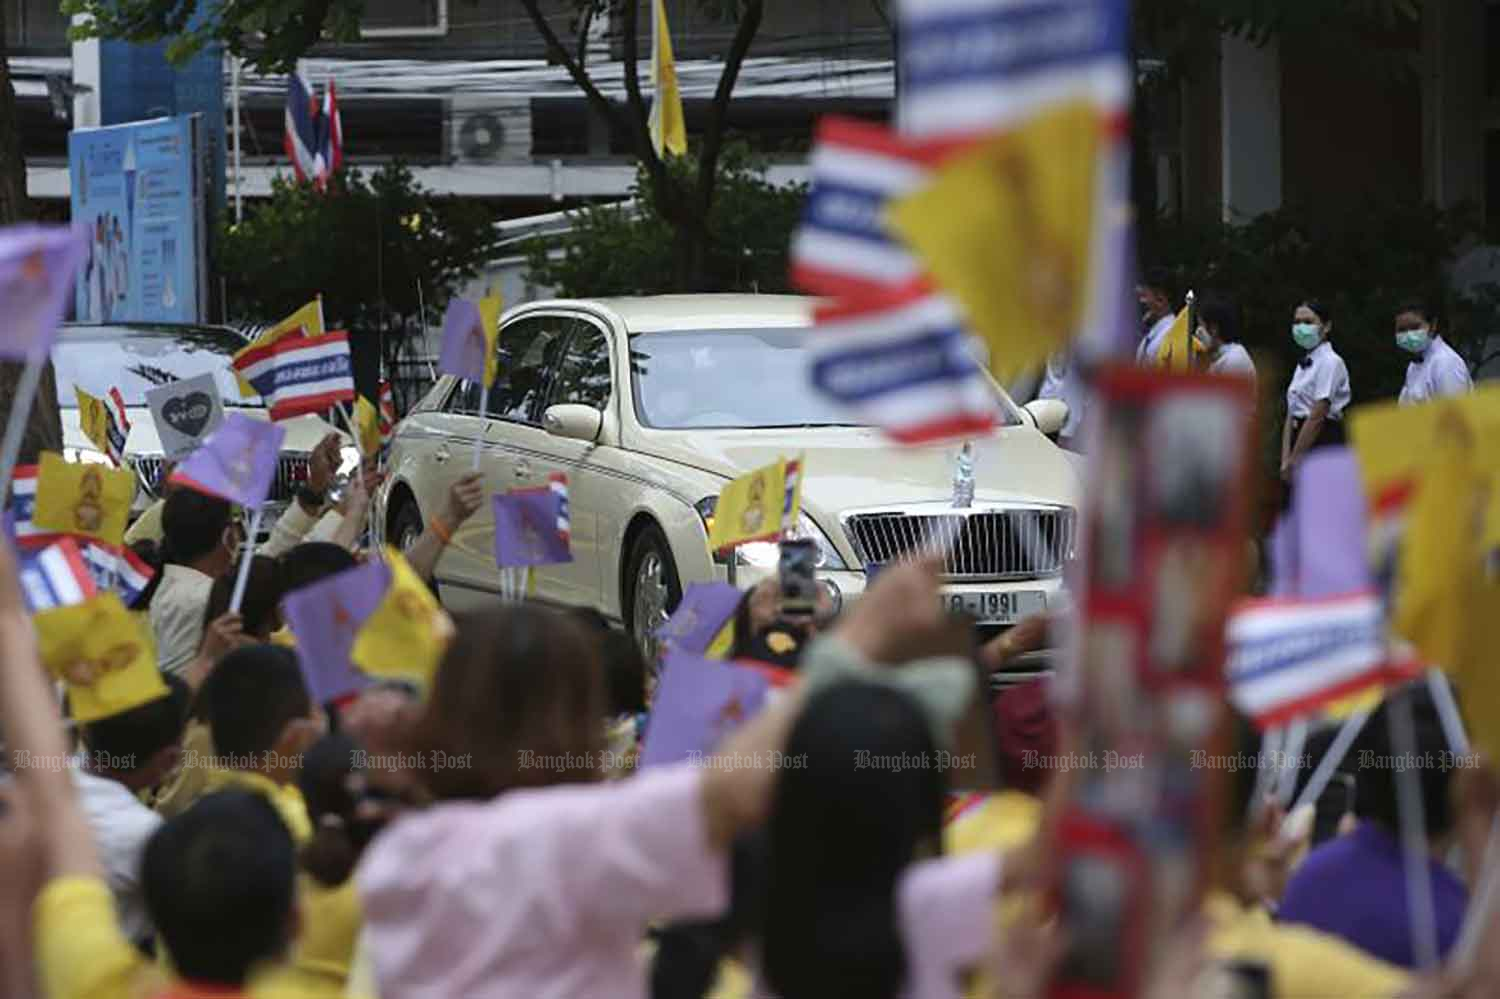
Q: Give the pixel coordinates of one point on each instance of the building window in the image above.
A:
(35, 24)
(396, 17)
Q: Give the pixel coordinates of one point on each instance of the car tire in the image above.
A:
(406, 526)
(653, 590)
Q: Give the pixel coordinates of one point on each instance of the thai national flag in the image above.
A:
(903, 362)
(129, 572)
(298, 374)
(1288, 658)
(842, 246)
(386, 412)
(117, 426)
(303, 138)
(56, 576)
(333, 132)
(971, 67)
(557, 482)
(23, 506)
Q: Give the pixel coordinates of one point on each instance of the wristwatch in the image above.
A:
(309, 498)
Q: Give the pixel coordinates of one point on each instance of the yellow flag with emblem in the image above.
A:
(407, 635)
(1007, 229)
(88, 499)
(309, 318)
(104, 655)
(757, 506)
(367, 425)
(1177, 348)
(490, 308)
(667, 124)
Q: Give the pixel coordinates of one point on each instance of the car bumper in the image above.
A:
(847, 586)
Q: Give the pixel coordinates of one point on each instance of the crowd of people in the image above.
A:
(493, 836)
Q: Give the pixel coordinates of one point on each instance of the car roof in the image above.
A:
(90, 331)
(667, 313)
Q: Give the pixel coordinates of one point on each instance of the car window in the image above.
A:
(584, 375)
(530, 350)
(464, 399)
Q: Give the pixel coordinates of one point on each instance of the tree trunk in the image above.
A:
(43, 425)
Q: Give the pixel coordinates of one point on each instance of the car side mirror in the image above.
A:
(575, 422)
(1049, 415)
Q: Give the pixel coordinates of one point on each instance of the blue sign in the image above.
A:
(135, 188)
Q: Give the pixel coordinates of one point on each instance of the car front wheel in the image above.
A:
(406, 528)
(653, 591)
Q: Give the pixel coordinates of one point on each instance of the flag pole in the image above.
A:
(20, 414)
(1414, 846)
(244, 574)
(1328, 765)
(484, 413)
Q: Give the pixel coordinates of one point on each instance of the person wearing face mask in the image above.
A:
(1436, 369)
(1319, 392)
(201, 538)
(1218, 341)
(1155, 297)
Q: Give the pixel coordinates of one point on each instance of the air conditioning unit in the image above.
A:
(489, 129)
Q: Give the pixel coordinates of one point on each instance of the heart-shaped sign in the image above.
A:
(189, 413)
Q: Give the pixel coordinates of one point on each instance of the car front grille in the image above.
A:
(291, 471)
(1020, 543)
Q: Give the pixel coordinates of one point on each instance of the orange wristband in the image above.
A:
(441, 529)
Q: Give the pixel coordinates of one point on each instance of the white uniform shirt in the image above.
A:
(1233, 359)
(1063, 383)
(1318, 376)
(1437, 373)
(1145, 354)
(177, 615)
(121, 826)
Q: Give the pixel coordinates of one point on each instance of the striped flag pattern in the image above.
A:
(903, 362)
(386, 409)
(1289, 658)
(299, 374)
(55, 576)
(131, 574)
(557, 482)
(23, 507)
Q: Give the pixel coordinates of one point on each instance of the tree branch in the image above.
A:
(713, 137)
(586, 20)
(640, 124)
(882, 13)
(575, 70)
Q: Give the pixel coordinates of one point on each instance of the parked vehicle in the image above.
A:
(651, 405)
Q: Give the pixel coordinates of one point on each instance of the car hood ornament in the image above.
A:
(963, 477)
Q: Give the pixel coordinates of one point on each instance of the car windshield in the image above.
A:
(138, 359)
(731, 378)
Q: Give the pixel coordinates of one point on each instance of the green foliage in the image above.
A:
(271, 34)
(364, 245)
(632, 250)
(1362, 265)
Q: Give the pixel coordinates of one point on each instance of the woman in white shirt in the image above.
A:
(1218, 339)
(1436, 369)
(1319, 392)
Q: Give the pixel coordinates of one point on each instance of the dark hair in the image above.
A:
(253, 692)
(339, 835)
(624, 666)
(192, 525)
(517, 681)
(1245, 741)
(258, 606)
(1324, 314)
(311, 561)
(218, 884)
(1158, 279)
(1375, 788)
(131, 738)
(830, 926)
(1419, 307)
(1217, 313)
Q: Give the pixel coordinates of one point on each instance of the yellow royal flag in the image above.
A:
(754, 507)
(104, 655)
(309, 318)
(668, 126)
(88, 499)
(407, 635)
(367, 425)
(1007, 229)
(1176, 350)
(490, 308)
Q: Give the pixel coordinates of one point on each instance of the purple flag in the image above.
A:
(528, 528)
(326, 616)
(1281, 552)
(700, 617)
(37, 267)
(463, 351)
(698, 703)
(1330, 520)
(237, 461)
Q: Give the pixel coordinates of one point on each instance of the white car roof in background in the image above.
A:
(669, 313)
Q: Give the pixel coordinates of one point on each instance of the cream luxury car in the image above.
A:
(651, 405)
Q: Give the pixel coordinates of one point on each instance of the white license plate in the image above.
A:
(999, 607)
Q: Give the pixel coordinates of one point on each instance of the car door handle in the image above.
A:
(522, 469)
(442, 454)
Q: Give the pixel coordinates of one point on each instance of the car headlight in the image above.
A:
(85, 456)
(767, 554)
